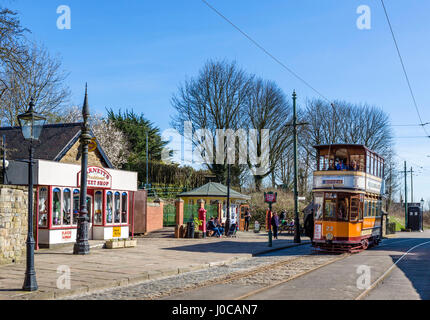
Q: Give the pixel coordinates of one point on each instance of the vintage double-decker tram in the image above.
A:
(347, 191)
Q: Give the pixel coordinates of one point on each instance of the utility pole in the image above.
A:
(228, 220)
(406, 197)
(147, 153)
(296, 203)
(412, 186)
(295, 178)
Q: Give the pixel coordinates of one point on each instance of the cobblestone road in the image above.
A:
(261, 271)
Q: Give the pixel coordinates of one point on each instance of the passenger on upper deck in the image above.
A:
(340, 165)
(354, 166)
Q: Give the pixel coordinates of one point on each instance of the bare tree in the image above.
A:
(41, 79)
(11, 47)
(112, 140)
(215, 100)
(268, 109)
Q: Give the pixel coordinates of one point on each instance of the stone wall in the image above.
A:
(13, 223)
(94, 158)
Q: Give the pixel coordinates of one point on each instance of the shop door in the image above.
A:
(242, 217)
(90, 216)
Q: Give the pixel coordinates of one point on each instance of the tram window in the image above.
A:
(379, 208)
(365, 208)
(355, 208)
(378, 167)
(330, 207)
(319, 201)
(342, 208)
(367, 163)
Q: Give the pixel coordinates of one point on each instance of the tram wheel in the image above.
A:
(364, 244)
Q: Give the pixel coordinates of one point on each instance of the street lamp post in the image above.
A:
(82, 247)
(31, 125)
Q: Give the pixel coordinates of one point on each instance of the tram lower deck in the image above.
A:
(346, 222)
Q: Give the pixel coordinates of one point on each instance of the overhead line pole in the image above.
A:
(406, 197)
(412, 186)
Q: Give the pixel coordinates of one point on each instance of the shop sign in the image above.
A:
(97, 177)
(66, 234)
(116, 232)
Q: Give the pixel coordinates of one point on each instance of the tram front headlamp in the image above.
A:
(329, 236)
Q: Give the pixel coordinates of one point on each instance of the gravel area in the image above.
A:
(249, 271)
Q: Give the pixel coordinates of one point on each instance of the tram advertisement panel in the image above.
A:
(348, 181)
(318, 231)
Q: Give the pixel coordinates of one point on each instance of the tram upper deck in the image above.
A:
(348, 168)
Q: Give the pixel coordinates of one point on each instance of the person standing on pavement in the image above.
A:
(309, 224)
(275, 225)
(247, 218)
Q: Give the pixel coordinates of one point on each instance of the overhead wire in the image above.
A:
(258, 45)
(404, 70)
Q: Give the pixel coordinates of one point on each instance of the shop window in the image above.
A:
(117, 205)
(76, 206)
(67, 207)
(89, 208)
(124, 213)
(56, 207)
(98, 204)
(109, 207)
(43, 207)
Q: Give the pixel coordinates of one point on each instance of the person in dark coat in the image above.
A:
(275, 225)
(247, 219)
(309, 225)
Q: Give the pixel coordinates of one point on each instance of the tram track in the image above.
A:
(273, 274)
(298, 275)
(362, 295)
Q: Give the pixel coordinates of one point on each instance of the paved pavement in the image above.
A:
(152, 258)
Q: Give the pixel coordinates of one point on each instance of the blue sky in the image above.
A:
(135, 53)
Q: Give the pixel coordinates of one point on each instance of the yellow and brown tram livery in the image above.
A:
(347, 192)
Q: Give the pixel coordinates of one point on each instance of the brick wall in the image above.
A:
(154, 215)
(13, 223)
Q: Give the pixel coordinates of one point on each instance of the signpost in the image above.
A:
(270, 198)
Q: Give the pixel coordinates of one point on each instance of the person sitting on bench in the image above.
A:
(213, 227)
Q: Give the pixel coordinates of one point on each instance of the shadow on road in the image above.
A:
(237, 247)
(415, 265)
